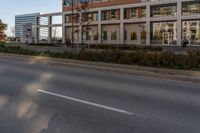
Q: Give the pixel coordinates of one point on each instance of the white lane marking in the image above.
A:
(86, 102)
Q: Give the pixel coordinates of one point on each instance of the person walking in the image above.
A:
(185, 42)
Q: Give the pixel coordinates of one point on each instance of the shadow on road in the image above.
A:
(54, 125)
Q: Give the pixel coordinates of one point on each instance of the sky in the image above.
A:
(10, 8)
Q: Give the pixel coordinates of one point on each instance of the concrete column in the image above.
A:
(99, 27)
(179, 23)
(148, 25)
(36, 29)
(36, 34)
(49, 34)
(63, 29)
(121, 26)
(80, 38)
(49, 29)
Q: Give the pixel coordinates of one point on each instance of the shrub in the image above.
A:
(164, 59)
(125, 47)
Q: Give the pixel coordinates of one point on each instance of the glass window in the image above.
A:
(125, 35)
(88, 35)
(90, 17)
(164, 10)
(95, 35)
(110, 15)
(114, 35)
(139, 12)
(133, 36)
(191, 31)
(105, 35)
(164, 33)
(189, 8)
(68, 18)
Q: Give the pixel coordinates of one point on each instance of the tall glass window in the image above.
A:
(114, 35)
(68, 18)
(110, 15)
(164, 10)
(164, 33)
(139, 12)
(191, 31)
(189, 8)
(105, 35)
(90, 17)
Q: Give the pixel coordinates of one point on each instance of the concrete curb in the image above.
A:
(171, 74)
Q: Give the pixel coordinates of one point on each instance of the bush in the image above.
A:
(125, 47)
(164, 59)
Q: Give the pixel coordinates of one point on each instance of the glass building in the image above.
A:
(21, 20)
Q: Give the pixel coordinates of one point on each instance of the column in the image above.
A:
(80, 36)
(63, 29)
(148, 25)
(179, 23)
(36, 34)
(121, 26)
(99, 27)
(49, 29)
(36, 29)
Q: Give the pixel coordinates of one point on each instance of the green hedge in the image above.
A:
(125, 47)
(46, 44)
(164, 59)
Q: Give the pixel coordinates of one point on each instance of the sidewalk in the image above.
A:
(170, 74)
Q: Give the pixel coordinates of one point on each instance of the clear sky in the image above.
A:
(10, 8)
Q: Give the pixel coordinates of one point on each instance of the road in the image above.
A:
(45, 98)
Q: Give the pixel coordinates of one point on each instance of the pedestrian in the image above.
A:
(185, 42)
(67, 42)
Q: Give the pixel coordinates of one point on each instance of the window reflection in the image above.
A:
(164, 10)
(191, 31)
(189, 8)
(164, 33)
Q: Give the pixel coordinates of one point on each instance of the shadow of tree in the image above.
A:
(54, 125)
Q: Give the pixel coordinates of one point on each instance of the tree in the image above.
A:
(3, 27)
(55, 34)
(82, 18)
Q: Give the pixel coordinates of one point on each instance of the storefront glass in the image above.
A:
(190, 8)
(191, 31)
(164, 10)
(164, 33)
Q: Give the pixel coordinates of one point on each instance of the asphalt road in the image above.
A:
(45, 98)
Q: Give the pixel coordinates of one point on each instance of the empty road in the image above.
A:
(46, 98)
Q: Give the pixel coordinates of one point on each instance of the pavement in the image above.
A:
(43, 97)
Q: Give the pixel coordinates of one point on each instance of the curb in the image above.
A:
(162, 73)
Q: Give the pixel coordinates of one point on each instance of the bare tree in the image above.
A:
(81, 18)
(55, 32)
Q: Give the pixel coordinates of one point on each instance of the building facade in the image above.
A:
(142, 22)
(24, 27)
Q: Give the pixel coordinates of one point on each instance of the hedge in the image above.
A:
(125, 47)
(164, 59)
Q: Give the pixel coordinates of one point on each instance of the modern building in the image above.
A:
(24, 27)
(142, 22)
